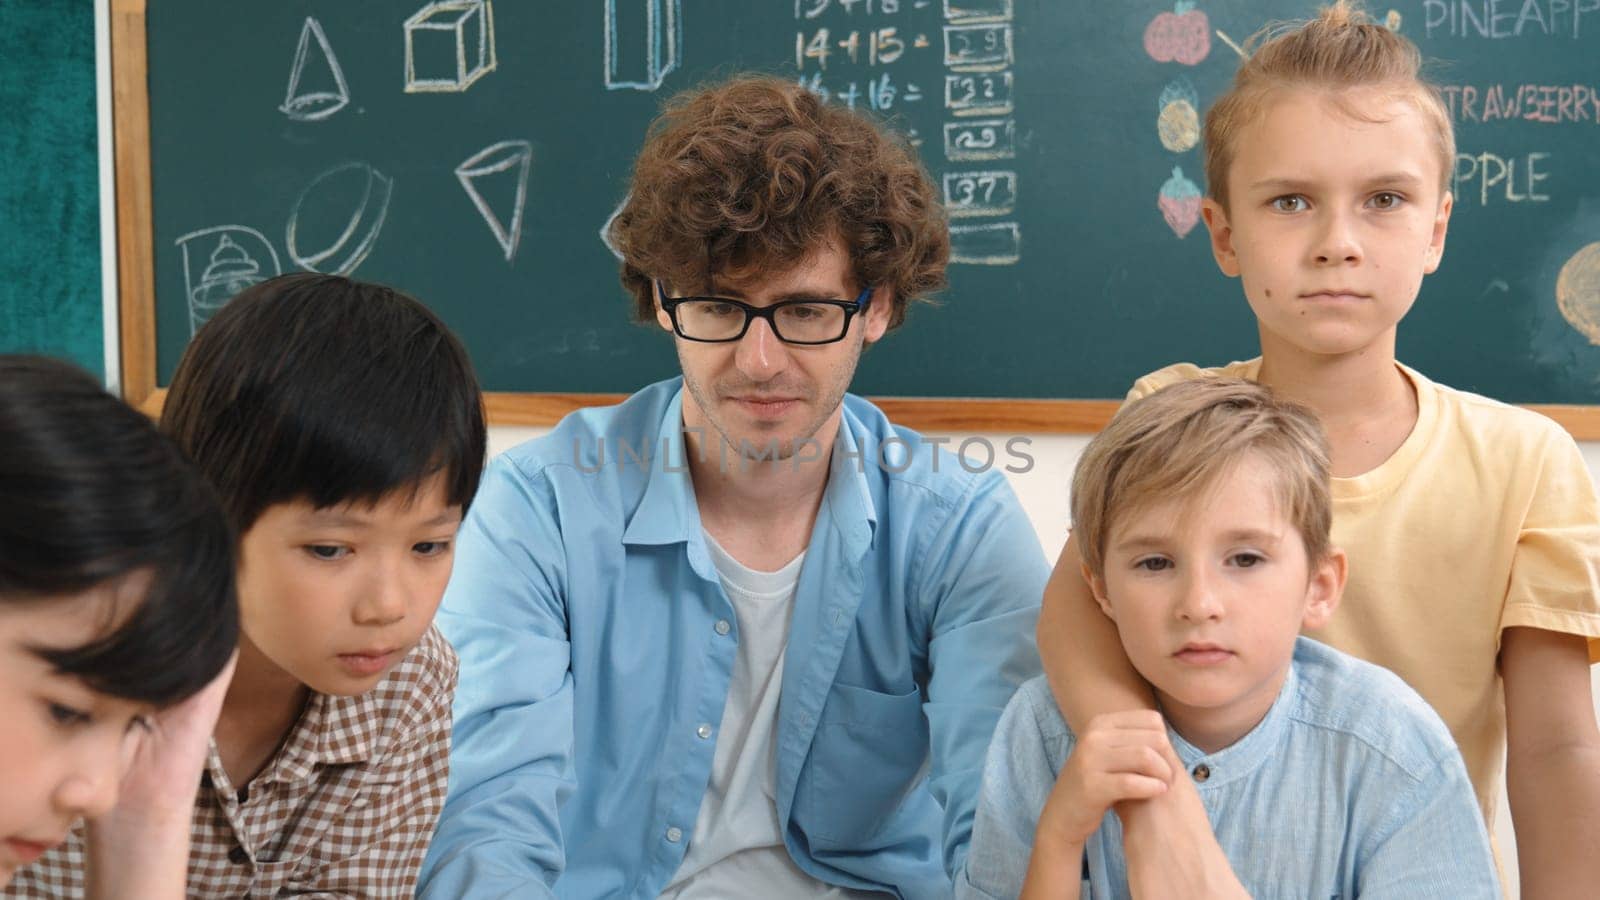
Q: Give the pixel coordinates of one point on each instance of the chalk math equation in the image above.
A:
(877, 54)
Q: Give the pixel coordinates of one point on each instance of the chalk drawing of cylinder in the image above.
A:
(336, 220)
(643, 38)
(220, 262)
(449, 45)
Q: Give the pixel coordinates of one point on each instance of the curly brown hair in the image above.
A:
(751, 175)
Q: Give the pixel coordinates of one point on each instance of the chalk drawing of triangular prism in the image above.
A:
(506, 156)
(315, 103)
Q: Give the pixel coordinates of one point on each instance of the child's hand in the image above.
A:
(144, 840)
(1123, 756)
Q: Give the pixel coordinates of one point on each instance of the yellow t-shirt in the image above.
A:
(1483, 519)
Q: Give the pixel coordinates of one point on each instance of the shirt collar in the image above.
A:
(331, 731)
(667, 513)
(1242, 757)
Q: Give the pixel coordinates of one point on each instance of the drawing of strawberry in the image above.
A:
(1180, 203)
(1183, 35)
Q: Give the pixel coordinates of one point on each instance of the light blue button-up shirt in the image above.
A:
(1350, 787)
(595, 639)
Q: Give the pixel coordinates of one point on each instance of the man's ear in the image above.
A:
(1097, 587)
(662, 319)
(1216, 219)
(1325, 588)
(877, 315)
(1441, 226)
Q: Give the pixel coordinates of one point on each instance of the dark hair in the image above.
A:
(320, 388)
(751, 175)
(90, 493)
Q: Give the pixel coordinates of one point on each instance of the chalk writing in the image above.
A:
(966, 11)
(1515, 179)
(1499, 19)
(980, 193)
(980, 139)
(978, 94)
(1549, 103)
(977, 48)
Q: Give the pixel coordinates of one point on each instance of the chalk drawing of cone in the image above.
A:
(336, 220)
(496, 179)
(317, 87)
(1180, 203)
(220, 262)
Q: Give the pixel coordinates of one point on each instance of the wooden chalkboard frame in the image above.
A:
(136, 283)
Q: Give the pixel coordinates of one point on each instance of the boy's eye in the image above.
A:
(1246, 560)
(1386, 200)
(327, 552)
(1153, 564)
(1289, 203)
(430, 548)
(66, 715)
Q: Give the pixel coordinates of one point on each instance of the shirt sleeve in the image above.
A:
(1017, 779)
(983, 579)
(1555, 574)
(384, 833)
(511, 766)
(1433, 845)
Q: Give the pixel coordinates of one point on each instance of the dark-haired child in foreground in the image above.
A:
(117, 623)
(343, 428)
(1202, 513)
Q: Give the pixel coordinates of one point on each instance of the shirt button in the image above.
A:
(722, 626)
(704, 731)
(1202, 772)
(674, 834)
(238, 856)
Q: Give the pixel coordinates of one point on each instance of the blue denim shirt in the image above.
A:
(595, 641)
(1350, 787)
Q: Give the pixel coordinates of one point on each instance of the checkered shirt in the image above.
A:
(345, 808)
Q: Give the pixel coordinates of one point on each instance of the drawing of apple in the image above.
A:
(1180, 203)
(1183, 35)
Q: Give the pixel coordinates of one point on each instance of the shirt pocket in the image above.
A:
(868, 751)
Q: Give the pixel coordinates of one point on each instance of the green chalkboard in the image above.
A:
(49, 183)
(475, 166)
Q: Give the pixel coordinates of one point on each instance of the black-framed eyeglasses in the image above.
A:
(717, 320)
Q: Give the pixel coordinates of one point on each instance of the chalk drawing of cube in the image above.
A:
(449, 45)
(642, 41)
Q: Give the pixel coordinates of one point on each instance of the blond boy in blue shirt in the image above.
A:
(1472, 527)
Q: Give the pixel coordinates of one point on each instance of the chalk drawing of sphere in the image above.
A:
(1179, 126)
(336, 219)
(1578, 292)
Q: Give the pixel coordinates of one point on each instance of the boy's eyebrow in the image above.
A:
(1399, 178)
(338, 518)
(1234, 536)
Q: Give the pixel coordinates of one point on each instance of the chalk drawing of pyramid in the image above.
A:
(496, 179)
(317, 87)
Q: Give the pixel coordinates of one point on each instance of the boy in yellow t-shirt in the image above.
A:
(1472, 527)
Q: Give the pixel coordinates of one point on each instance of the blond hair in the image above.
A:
(1341, 48)
(1177, 442)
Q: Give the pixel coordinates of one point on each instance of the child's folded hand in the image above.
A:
(1122, 756)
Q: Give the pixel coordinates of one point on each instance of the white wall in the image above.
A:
(1044, 495)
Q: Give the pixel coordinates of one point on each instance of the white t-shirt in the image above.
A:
(737, 848)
